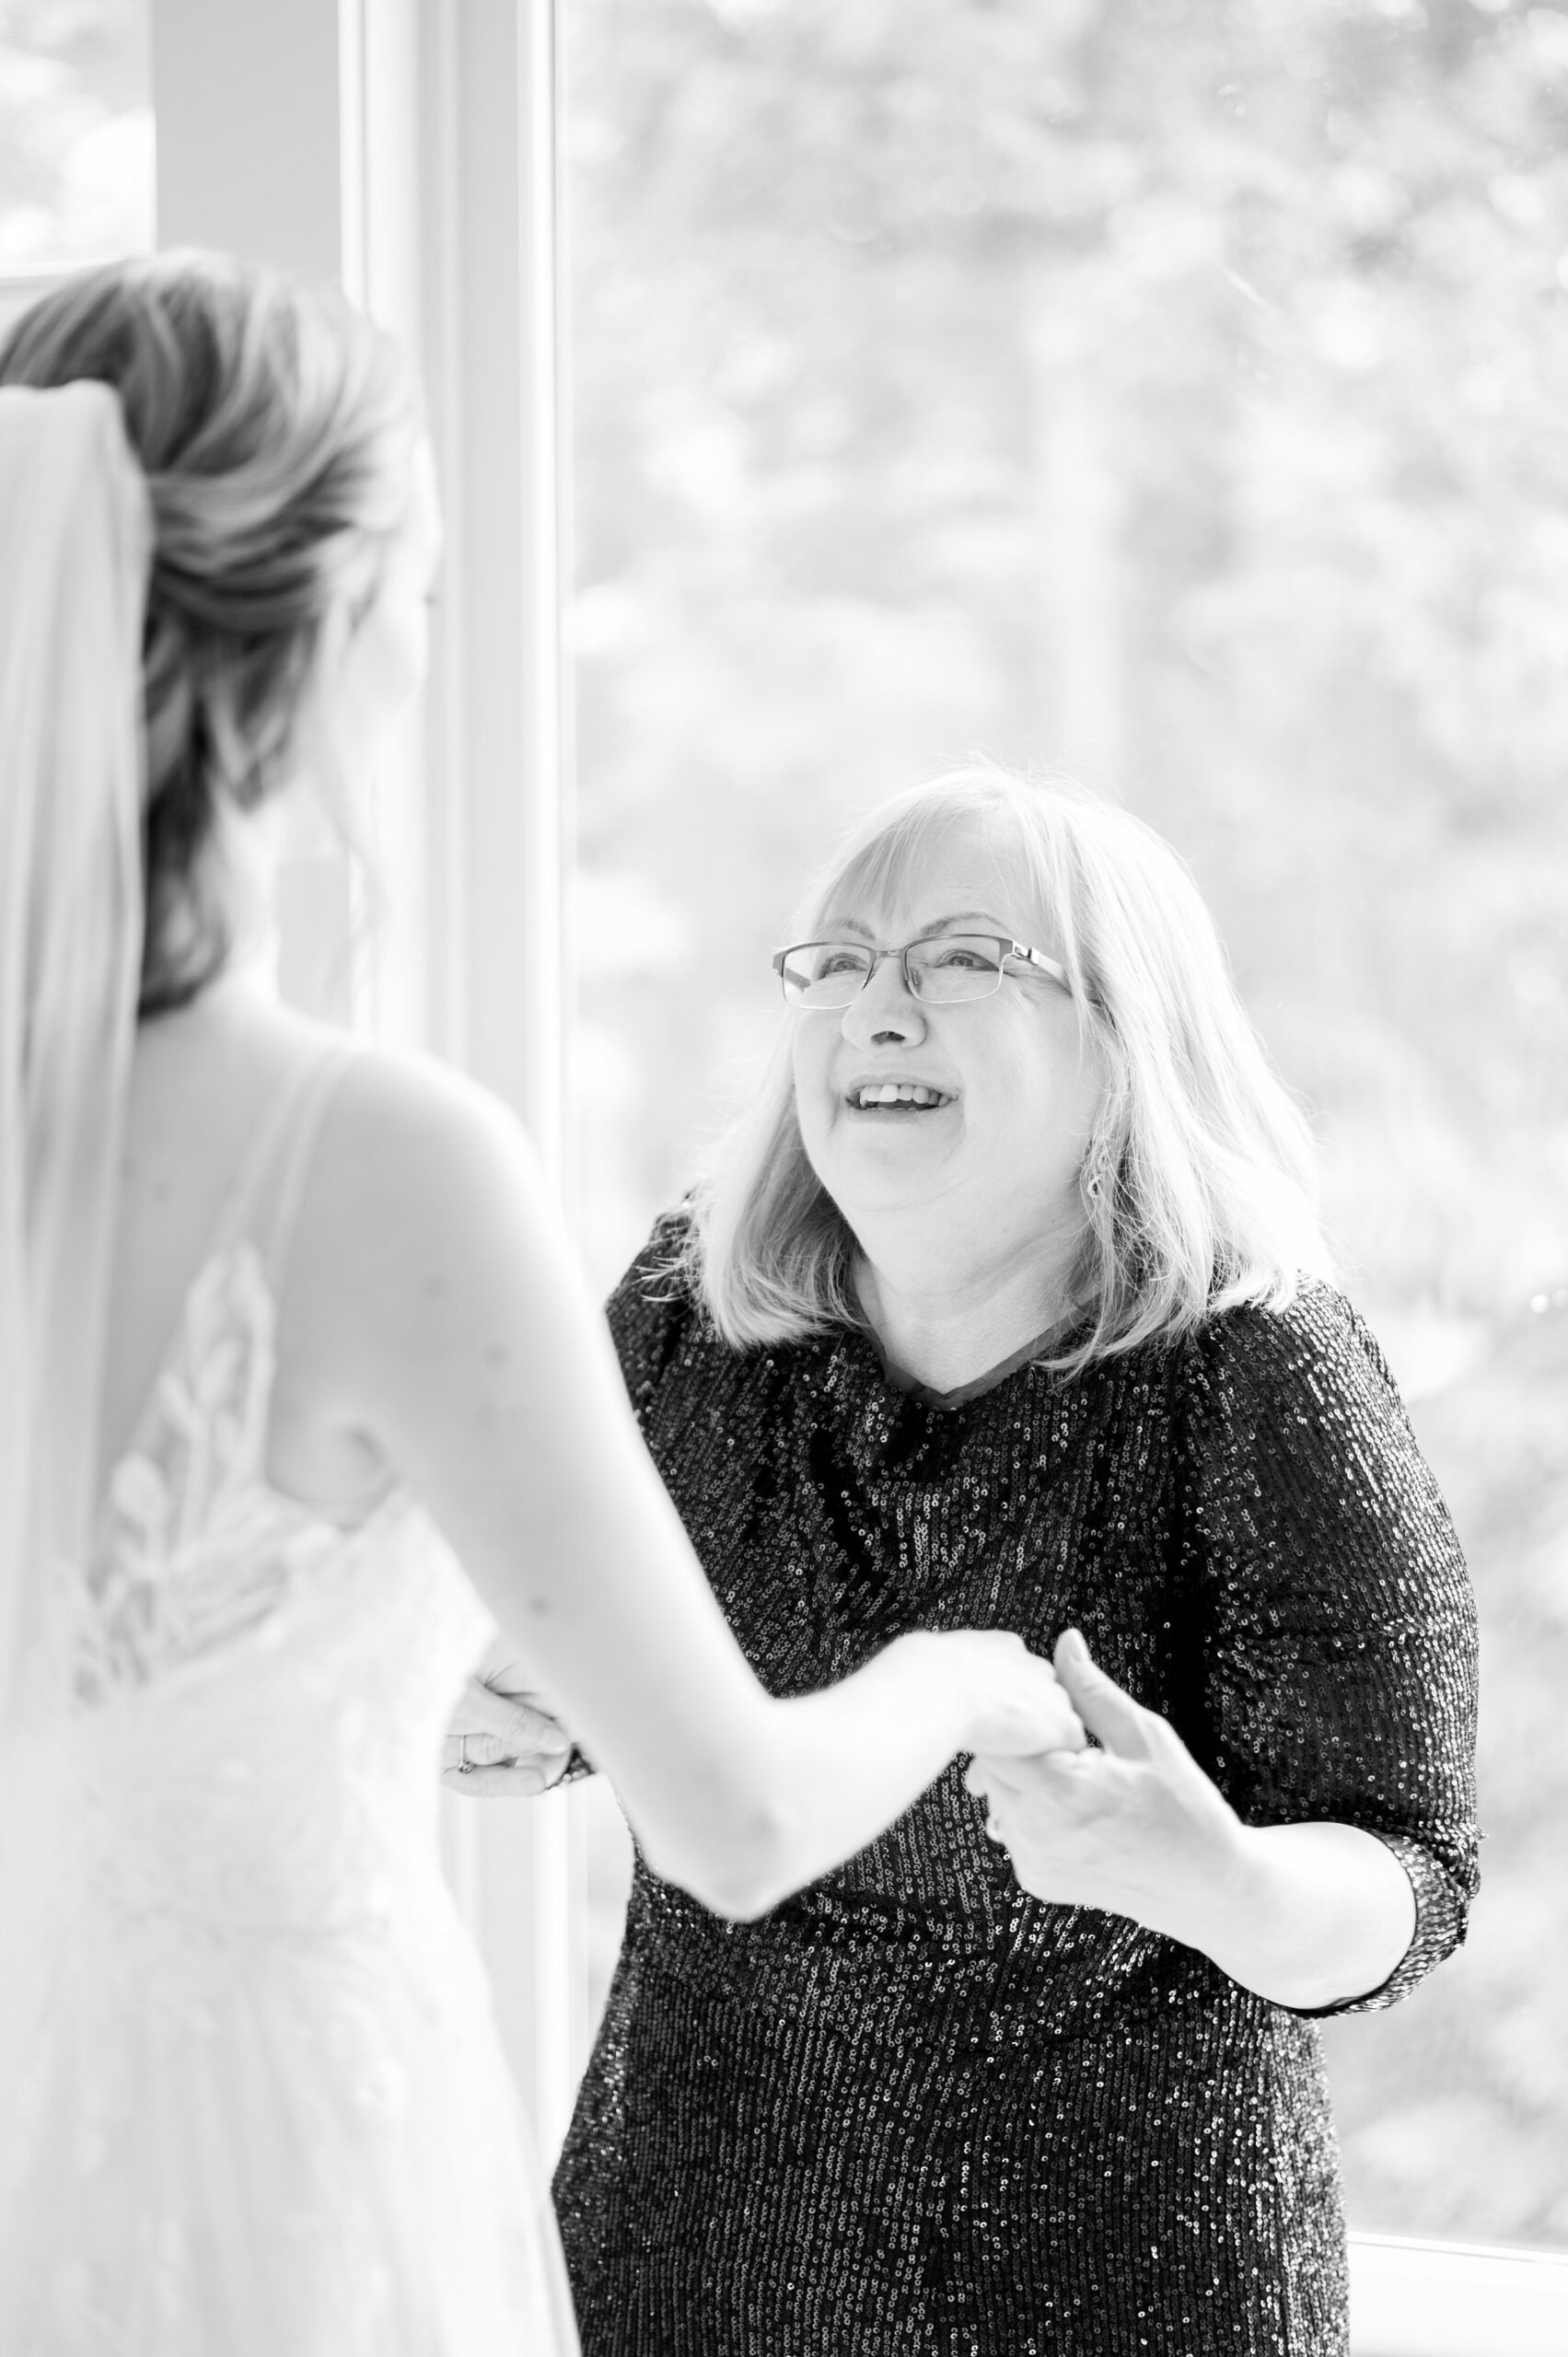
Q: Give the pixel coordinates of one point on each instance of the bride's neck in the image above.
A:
(247, 857)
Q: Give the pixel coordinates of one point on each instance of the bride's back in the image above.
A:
(209, 1087)
(265, 2030)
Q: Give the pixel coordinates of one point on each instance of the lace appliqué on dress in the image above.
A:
(178, 1569)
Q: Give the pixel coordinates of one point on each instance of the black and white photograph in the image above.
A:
(783, 1179)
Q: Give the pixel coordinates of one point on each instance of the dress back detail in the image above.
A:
(269, 2109)
(180, 1566)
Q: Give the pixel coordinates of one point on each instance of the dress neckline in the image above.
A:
(926, 1396)
(929, 1397)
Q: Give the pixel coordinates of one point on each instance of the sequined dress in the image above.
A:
(268, 2115)
(912, 2110)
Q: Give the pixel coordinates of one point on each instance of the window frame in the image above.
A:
(1415, 2298)
(427, 190)
(450, 226)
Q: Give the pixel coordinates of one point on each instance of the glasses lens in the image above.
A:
(955, 966)
(824, 973)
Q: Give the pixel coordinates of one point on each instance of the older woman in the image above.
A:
(1006, 1307)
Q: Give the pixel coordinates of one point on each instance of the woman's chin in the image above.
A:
(897, 1132)
(881, 1175)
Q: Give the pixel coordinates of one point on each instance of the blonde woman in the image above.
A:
(1007, 1303)
(281, 1326)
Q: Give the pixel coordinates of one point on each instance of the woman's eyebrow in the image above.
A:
(971, 916)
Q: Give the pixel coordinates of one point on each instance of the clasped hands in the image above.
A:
(1132, 1825)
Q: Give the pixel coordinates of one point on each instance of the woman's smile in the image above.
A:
(909, 1102)
(878, 1096)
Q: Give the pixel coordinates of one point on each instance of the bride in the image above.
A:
(288, 1333)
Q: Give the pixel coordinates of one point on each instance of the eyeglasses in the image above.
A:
(945, 968)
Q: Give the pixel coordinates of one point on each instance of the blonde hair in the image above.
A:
(276, 432)
(1196, 1184)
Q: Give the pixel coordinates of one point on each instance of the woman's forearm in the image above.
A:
(1306, 1915)
(1313, 1915)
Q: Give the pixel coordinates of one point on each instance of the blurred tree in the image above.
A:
(1173, 390)
(75, 132)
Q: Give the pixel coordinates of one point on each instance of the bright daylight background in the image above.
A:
(1178, 391)
(75, 132)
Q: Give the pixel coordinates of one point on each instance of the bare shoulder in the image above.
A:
(425, 1117)
(432, 1287)
(420, 1171)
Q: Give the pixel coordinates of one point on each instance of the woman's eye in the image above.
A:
(839, 961)
(964, 954)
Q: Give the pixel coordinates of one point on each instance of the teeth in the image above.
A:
(899, 1092)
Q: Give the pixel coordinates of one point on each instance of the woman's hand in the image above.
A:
(1136, 1826)
(1309, 1915)
(502, 1743)
(1014, 1703)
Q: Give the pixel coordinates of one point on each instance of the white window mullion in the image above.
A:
(458, 225)
(405, 149)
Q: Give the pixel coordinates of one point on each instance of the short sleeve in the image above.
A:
(1334, 1618)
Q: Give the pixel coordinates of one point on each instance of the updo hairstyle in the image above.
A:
(276, 430)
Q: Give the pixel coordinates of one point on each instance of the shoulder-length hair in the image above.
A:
(1197, 1186)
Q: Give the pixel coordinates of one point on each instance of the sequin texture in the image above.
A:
(912, 2110)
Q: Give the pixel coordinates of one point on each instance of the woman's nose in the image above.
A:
(885, 1010)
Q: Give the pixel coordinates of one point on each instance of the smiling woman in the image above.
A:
(1005, 1304)
(1170, 1172)
(1013, 1075)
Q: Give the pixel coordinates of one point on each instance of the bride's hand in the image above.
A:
(1014, 1702)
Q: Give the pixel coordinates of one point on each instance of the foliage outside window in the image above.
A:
(75, 132)
(1177, 393)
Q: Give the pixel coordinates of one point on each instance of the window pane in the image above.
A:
(1179, 394)
(75, 132)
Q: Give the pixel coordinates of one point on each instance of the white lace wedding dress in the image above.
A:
(270, 2116)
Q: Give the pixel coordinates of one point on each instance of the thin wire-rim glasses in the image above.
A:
(947, 981)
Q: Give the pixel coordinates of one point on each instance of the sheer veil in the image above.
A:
(75, 543)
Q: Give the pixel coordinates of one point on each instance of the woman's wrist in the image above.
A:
(1213, 1895)
(1311, 1915)
(1235, 1910)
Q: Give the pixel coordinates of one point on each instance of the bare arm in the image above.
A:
(1324, 1914)
(1311, 1915)
(462, 1343)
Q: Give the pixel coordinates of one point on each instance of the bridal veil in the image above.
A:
(75, 548)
